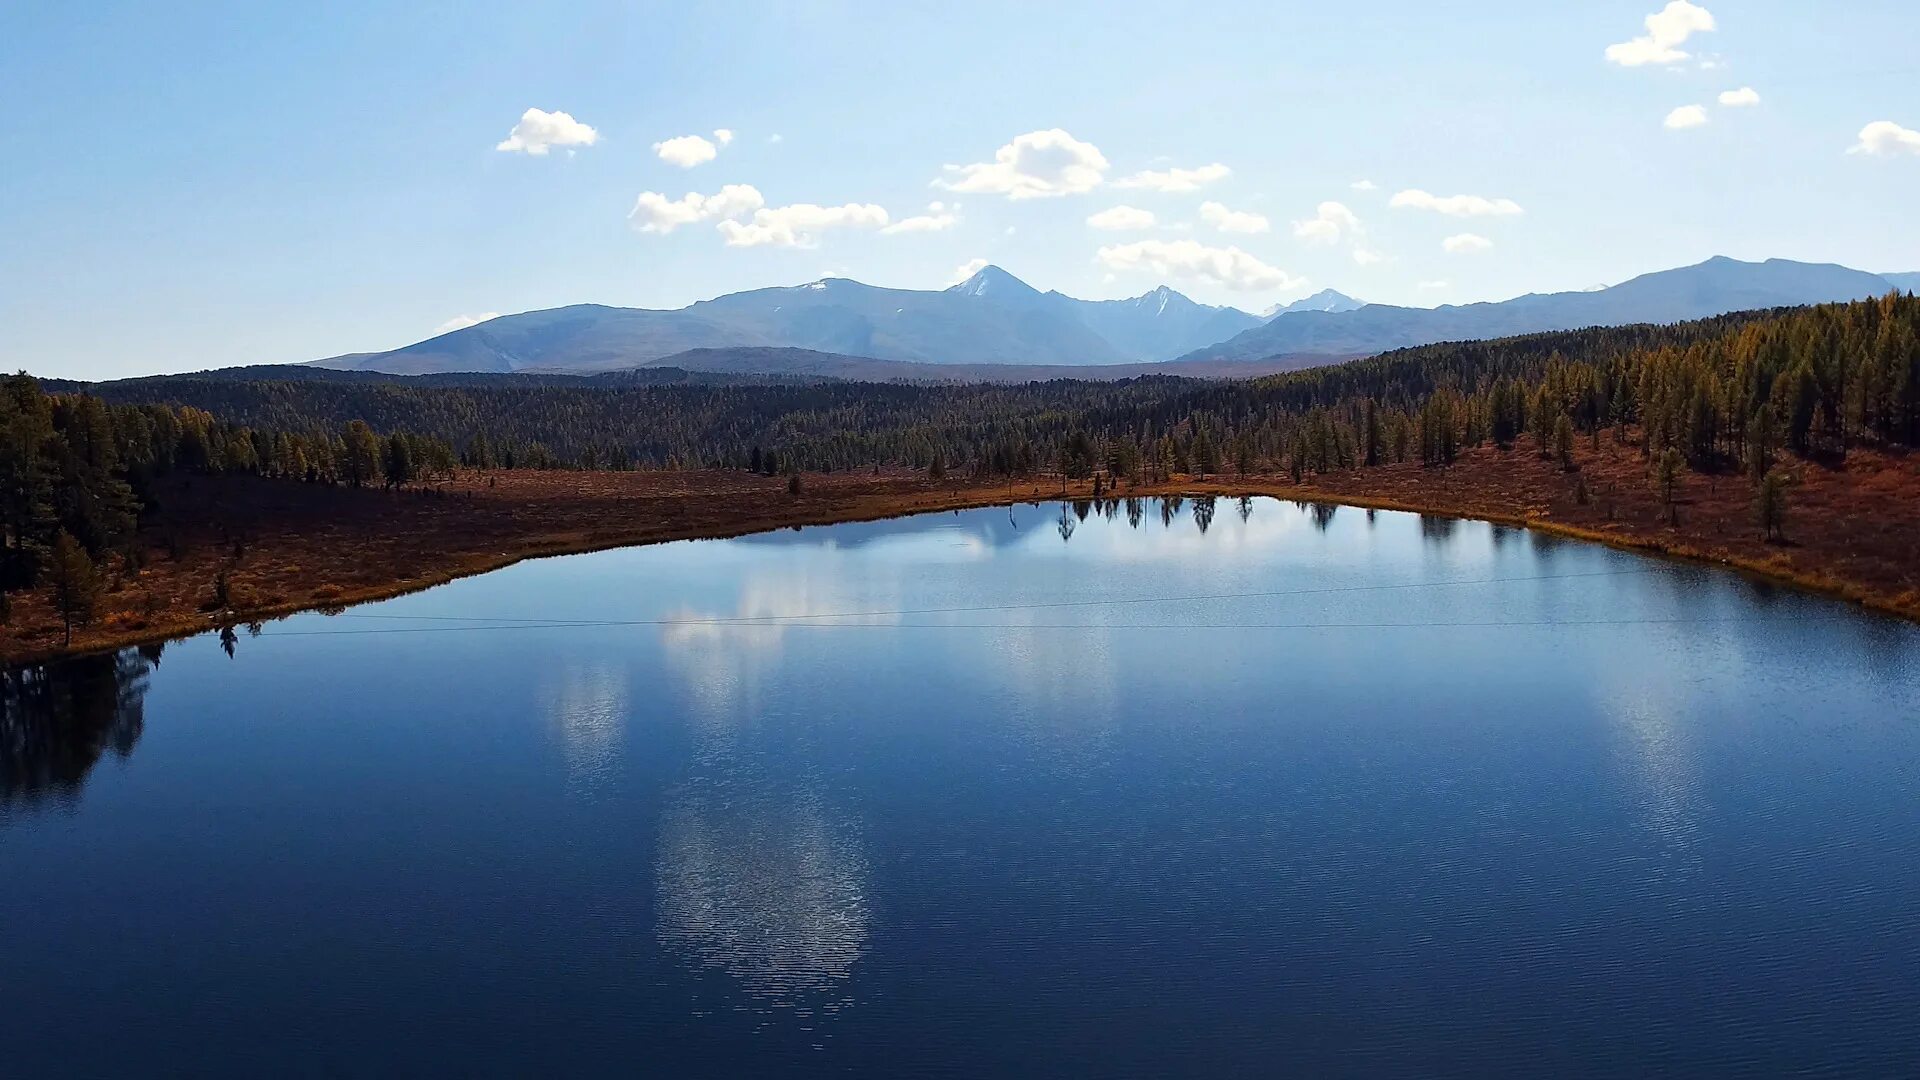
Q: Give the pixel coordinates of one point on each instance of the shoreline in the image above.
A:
(664, 517)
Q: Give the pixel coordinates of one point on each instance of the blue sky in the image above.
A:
(194, 185)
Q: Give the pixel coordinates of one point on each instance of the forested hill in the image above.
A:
(1730, 392)
(575, 421)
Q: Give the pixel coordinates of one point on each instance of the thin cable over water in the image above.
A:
(1465, 624)
(978, 608)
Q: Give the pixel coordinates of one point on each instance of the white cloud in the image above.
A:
(776, 137)
(1367, 256)
(1033, 166)
(1233, 221)
(799, 225)
(1122, 219)
(461, 322)
(1229, 267)
(1684, 117)
(1364, 185)
(1329, 223)
(1465, 243)
(938, 218)
(538, 131)
(723, 136)
(686, 151)
(655, 213)
(1734, 99)
(1667, 30)
(1433, 286)
(1455, 205)
(967, 269)
(1886, 137)
(1175, 180)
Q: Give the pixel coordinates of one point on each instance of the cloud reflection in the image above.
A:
(587, 710)
(766, 886)
(760, 877)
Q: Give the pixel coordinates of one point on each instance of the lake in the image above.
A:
(1153, 788)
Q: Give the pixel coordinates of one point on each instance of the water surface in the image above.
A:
(1156, 788)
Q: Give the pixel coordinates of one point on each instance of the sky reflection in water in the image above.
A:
(1182, 787)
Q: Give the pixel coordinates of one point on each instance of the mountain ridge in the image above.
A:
(994, 319)
(1714, 287)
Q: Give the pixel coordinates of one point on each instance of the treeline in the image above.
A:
(1718, 391)
(76, 471)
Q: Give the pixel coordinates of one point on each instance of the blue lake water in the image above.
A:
(1155, 789)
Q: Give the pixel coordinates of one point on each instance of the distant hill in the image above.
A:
(1714, 287)
(1906, 282)
(1324, 300)
(991, 318)
(751, 366)
(138, 389)
(1157, 325)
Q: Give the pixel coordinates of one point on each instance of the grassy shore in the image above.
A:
(1853, 529)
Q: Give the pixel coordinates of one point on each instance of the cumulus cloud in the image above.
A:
(1684, 117)
(686, 151)
(461, 322)
(799, 225)
(1122, 219)
(1228, 267)
(1455, 205)
(1329, 223)
(967, 269)
(1433, 286)
(1884, 137)
(723, 136)
(1745, 96)
(1233, 221)
(938, 218)
(655, 213)
(1667, 30)
(1037, 165)
(1175, 180)
(537, 132)
(1364, 185)
(1465, 243)
(1367, 256)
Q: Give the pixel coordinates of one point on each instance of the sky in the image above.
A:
(197, 185)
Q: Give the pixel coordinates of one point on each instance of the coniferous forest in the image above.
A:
(1730, 394)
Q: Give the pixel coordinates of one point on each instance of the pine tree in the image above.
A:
(399, 460)
(361, 457)
(1666, 479)
(27, 520)
(76, 584)
(1770, 506)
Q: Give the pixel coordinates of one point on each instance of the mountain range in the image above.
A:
(1714, 287)
(990, 318)
(994, 320)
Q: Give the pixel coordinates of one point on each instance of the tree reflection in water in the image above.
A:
(56, 720)
(1203, 506)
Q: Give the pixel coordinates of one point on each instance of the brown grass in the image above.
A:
(1853, 530)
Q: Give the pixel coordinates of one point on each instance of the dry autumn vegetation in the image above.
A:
(1774, 442)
